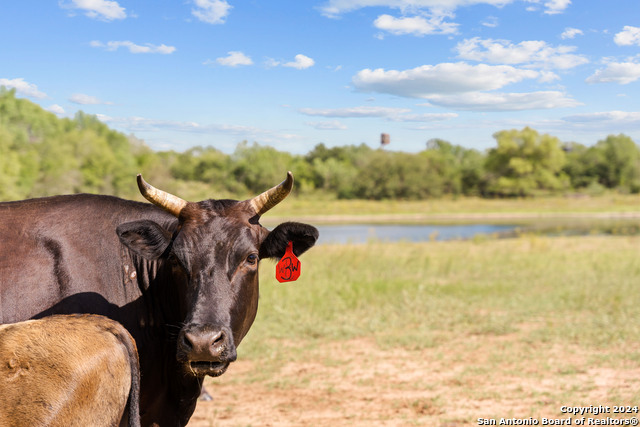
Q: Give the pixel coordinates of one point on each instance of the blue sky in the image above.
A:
(292, 74)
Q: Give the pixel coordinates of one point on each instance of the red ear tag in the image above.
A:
(288, 268)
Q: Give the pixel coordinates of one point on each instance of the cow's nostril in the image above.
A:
(219, 338)
(187, 341)
(219, 343)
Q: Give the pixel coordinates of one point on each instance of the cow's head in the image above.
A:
(214, 255)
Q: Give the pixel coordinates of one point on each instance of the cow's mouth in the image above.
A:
(213, 369)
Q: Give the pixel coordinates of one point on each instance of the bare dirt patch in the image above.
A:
(358, 383)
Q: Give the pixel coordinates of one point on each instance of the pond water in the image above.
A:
(361, 233)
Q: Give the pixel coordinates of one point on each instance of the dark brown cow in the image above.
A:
(181, 277)
(76, 370)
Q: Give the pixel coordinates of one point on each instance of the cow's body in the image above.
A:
(79, 370)
(183, 281)
(66, 247)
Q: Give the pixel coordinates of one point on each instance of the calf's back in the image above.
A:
(68, 370)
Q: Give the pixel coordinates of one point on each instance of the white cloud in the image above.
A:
(548, 76)
(239, 132)
(301, 62)
(556, 6)
(603, 122)
(332, 125)
(271, 63)
(481, 101)
(82, 99)
(533, 53)
(99, 9)
(628, 36)
(335, 8)
(417, 25)
(570, 33)
(606, 116)
(56, 109)
(491, 22)
(144, 124)
(445, 78)
(428, 15)
(134, 48)
(234, 59)
(388, 113)
(616, 72)
(354, 112)
(23, 88)
(104, 118)
(426, 117)
(211, 11)
(552, 7)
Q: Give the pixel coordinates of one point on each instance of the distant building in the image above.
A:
(385, 139)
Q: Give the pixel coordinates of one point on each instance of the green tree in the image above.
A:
(42, 154)
(208, 165)
(524, 163)
(619, 164)
(611, 163)
(461, 169)
(335, 169)
(259, 167)
(9, 167)
(397, 175)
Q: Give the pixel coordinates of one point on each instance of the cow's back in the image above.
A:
(67, 371)
(64, 250)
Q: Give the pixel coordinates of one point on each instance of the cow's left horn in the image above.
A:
(167, 201)
(273, 196)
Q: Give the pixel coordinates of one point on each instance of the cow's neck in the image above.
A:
(169, 395)
(151, 285)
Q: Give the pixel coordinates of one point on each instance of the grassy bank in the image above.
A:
(609, 202)
(459, 210)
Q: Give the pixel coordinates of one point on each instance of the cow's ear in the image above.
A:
(303, 237)
(146, 238)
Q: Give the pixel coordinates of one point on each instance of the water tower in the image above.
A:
(385, 140)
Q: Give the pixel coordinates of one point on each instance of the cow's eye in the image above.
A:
(252, 259)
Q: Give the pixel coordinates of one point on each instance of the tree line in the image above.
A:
(41, 155)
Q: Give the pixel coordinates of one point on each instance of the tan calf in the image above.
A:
(71, 370)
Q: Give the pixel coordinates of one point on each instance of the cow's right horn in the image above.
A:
(167, 201)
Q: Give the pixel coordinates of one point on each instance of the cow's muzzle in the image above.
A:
(206, 350)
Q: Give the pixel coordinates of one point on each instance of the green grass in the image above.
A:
(323, 207)
(577, 290)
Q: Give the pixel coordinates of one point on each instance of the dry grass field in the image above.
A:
(356, 383)
(440, 334)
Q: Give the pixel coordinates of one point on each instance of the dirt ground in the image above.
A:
(358, 383)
